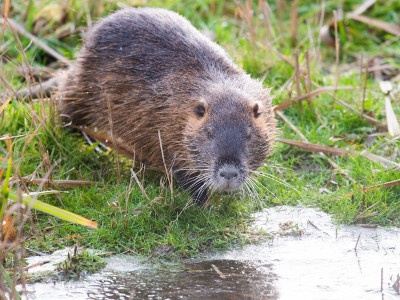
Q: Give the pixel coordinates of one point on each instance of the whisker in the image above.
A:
(259, 183)
(254, 190)
(276, 179)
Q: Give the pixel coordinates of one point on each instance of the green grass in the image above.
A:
(135, 224)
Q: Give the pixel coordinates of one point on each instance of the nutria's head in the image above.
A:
(228, 134)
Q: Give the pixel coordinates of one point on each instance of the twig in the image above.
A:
(313, 93)
(355, 248)
(110, 121)
(5, 13)
(396, 284)
(360, 215)
(321, 25)
(88, 16)
(363, 7)
(21, 30)
(313, 225)
(371, 120)
(360, 79)
(373, 214)
(72, 236)
(36, 265)
(318, 148)
(39, 90)
(3, 106)
(218, 271)
(59, 183)
(139, 184)
(364, 89)
(309, 85)
(129, 189)
(291, 125)
(269, 46)
(293, 22)
(129, 249)
(7, 137)
(388, 27)
(105, 253)
(367, 225)
(373, 188)
(337, 55)
(36, 251)
(267, 18)
(170, 180)
(336, 151)
(297, 72)
(279, 8)
(331, 162)
(311, 40)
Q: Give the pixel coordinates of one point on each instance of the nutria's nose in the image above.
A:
(229, 177)
(228, 173)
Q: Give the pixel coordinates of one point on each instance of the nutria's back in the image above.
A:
(157, 78)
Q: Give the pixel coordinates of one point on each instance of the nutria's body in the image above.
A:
(164, 81)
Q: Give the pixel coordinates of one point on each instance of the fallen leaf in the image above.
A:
(392, 123)
(388, 27)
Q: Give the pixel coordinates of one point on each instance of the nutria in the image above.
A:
(164, 85)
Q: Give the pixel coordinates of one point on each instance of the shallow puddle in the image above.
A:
(309, 258)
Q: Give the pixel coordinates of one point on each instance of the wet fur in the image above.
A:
(154, 70)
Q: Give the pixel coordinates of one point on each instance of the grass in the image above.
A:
(131, 223)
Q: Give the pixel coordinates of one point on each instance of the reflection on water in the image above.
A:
(189, 280)
(321, 263)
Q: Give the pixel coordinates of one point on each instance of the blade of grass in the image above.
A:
(3, 106)
(52, 210)
(9, 282)
(4, 193)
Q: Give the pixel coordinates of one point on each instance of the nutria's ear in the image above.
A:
(256, 110)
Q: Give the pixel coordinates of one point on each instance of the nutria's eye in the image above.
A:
(256, 111)
(200, 110)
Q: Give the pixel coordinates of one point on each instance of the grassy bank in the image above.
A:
(264, 42)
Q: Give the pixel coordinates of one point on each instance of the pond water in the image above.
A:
(309, 258)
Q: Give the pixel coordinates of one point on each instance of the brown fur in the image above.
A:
(158, 74)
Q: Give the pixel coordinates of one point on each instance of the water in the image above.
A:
(319, 263)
